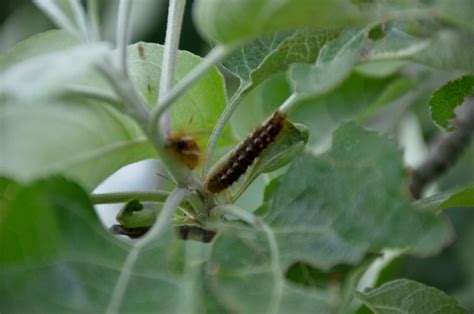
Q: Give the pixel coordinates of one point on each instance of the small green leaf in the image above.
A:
(134, 215)
(446, 99)
(332, 209)
(411, 297)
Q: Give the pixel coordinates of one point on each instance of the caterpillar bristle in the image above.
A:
(251, 148)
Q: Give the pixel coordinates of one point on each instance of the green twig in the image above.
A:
(219, 128)
(123, 197)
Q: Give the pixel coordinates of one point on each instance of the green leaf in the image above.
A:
(460, 197)
(406, 296)
(81, 139)
(447, 98)
(459, 14)
(332, 209)
(273, 54)
(20, 81)
(240, 268)
(37, 45)
(63, 260)
(449, 50)
(354, 46)
(87, 140)
(231, 21)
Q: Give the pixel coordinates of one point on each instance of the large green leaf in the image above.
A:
(447, 98)
(406, 296)
(81, 139)
(449, 50)
(244, 278)
(230, 21)
(57, 255)
(84, 139)
(337, 58)
(273, 54)
(36, 45)
(332, 209)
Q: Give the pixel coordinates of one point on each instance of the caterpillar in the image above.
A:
(185, 149)
(246, 153)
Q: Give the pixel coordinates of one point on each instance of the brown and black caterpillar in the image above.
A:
(238, 163)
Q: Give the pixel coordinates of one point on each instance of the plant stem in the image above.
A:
(93, 14)
(289, 104)
(216, 54)
(219, 128)
(238, 212)
(57, 16)
(81, 20)
(132, 100)
(173, 33)
(444, 151)
(123, 32)
(160, 226)
(122, 197)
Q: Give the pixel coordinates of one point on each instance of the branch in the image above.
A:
(122, 197)
(160, 226)
(57, 16)
(289, 104)
(81, 20)
(93, 14)
(444, 151)
(173, 33)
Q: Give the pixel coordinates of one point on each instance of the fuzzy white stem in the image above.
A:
(289, 104)
(173, 33)
(57, 16)
(93, 14)
(123, 32)
(81, 20)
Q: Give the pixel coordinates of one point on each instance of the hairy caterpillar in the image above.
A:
(239, 161)
(185, 149)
